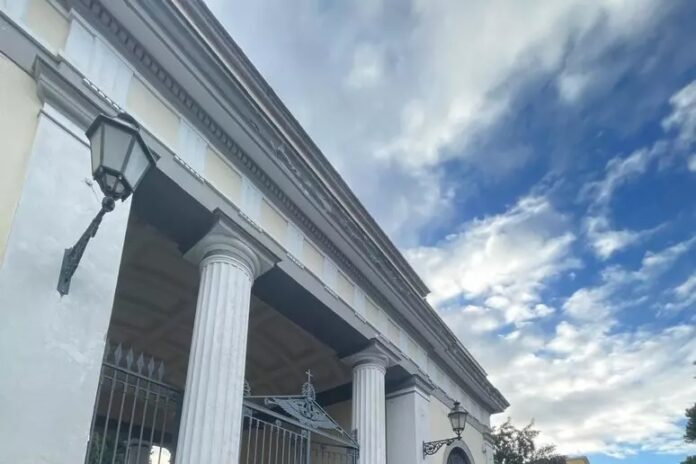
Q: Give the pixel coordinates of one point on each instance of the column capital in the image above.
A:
(226, 240)
(376, 352)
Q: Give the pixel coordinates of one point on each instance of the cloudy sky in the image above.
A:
(536, 162)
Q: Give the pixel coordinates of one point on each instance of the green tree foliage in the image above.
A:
(516, 446)
(690, 434)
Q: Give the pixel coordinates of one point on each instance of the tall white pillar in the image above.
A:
(212, 410)
(369, 421)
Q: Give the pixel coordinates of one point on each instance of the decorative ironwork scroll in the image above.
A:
(304, 410)
(431, 447)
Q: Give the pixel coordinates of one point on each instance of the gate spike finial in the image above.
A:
(118, 352)
(140, 364)
(129, 358)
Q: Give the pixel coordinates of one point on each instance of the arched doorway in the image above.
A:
(457, 456)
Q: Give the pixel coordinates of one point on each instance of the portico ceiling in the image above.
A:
(154, 310)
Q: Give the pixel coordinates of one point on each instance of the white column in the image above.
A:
(369, 368)
(212, 410)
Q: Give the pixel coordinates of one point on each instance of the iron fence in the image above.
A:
(270, 441)
(136, 419)
(323, 453)
(136, 414)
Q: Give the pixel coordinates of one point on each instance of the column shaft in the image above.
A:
(368, 411)
(211, 417)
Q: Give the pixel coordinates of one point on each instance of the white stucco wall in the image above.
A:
(407, 425)
(51, 347)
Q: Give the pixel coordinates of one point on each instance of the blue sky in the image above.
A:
(536, 162)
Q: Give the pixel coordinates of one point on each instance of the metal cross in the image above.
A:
(309, 375)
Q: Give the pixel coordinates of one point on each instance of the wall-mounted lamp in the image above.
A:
(457, 417)
(120, 160)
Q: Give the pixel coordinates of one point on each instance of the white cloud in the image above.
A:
(604, 239)
(683, 116)
(503, 260)
(619, 171)
(571, 85)
(686, 288)
(589, 388)
(621, 288)
(691, 163)
(683, 296)
(654, 263)
(367, 69)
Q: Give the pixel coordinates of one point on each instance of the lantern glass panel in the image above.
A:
(457, 418)
(95, 143)
(117, 142)
(137, 165)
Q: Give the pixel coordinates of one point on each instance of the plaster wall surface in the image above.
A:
(50, 25)
(407, 426)
(341, 413)
(19, 109)
(440, 428)
(152, 113)
(51, 347)
(222, 177)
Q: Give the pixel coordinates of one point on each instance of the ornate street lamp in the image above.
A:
(120, 160)
(457, 417)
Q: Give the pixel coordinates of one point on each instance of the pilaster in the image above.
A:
(408, 421)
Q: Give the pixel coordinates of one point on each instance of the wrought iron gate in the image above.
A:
(293, 430)
(136, 414)
(136, 419)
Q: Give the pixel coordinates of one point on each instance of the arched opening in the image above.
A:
(457, 456)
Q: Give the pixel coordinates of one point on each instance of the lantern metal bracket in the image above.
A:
(432, 447)
(72, 256)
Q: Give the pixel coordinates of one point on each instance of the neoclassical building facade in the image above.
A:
(241, 305)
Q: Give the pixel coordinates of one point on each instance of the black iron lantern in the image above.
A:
(120, 160)
(120, 157)
(457, 417)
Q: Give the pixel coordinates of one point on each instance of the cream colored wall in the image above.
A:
(341, 413)
(440, 428)
(225, 179)
(49, 25)
(344, 288)
(272, 222)
(19, 108)
(313, 259)
(152, 113)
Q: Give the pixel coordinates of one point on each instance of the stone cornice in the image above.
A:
(348, 216)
